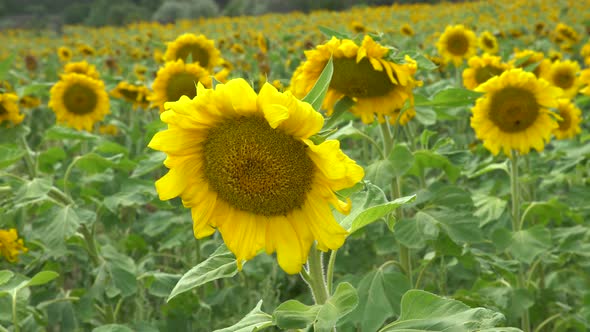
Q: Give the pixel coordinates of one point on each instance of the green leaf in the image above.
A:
(62, 226)
(61, 133)
(489, 208)
(42, 278)
(316, 95)
(5, 66)
(9, 154)
(423, 311)
(425, 116)
(424, 159)
(491, 167)
(372, 195)
(49, 160)
(112, 328)
(161, 284)
(221, 264)
(134, 192)
(295, 315)
(36, 188)
(413, 233)
(344, 300)
(377, 212)
(380, 172)
(528, 244)
(461, 226)
(341, 107)
(333, 33)
(5, 275)
(379, 292)
(255, 320)
(401, 159)
(452, 97)
(154, 161)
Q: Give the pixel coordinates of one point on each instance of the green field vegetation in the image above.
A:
(410, 167)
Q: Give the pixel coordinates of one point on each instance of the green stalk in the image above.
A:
(14, 317)
(330, 271)
(516, 226)
(90, 245)
(315, 278)
(31, 164)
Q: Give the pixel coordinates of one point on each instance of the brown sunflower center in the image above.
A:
(513, 109)
(255, 168)
(489, 43)
(457, 44)
(130, 94)
(486, 72)
(359, 79)
(2, 109)
(566, 120)
(198, 54)
(80, 99)
(181, 84)
(564, 78)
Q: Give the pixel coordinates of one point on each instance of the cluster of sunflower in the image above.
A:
(514, 114)
(11, 245)
(10, 104)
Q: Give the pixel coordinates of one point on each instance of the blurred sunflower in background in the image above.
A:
(564, 74)
(481, 69)
(201, 50)
(83, 68)
(378, 87)
(135, 94)
(571, 117)
(513, 113)
(532, 61)
(243, 163)
(488, 42)
(9, 110)
(29, 102)
(11, 245)
(64, 54)
(407, 30)
(456, 44)
(177, 79)
(79, 101)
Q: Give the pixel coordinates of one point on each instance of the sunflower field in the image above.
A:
(416, 167)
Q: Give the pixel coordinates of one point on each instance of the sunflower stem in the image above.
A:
(14, 312)
(330, 271)
(516, 226)
(316, 281)
(387, 140)
(31, 164)
(91, 245)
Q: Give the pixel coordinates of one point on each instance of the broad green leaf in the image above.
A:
(380, 293)
(36, 188)
(401, 159)
(424, 159)
(380, 173)
(295, 315)
(134, 192)
(255, 320)
(528, 244)
(49, 160)
(372, 195)
(9, 154)
(60, 133)
(461, 226)
(95, 163)
(491, 167)
(489, 208)
(62, 226)
(423, 311)
(425, 116)
(316, 95)
(42, 278)
(377, 212)
(112, 328)
(154, 161)
(5, 275)
(344, 300)
(452, 97)
(221, 264)
(124, 280)
(415, 232)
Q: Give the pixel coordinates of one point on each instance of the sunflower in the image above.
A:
(79, 101)
(378, 86)
(64, 54)
(244, 164)
(262, 43)
(358, 27)
(9, 108)
(585, 53)
(407, 30)
(488, 42)
(140, 70)
(482, 69)
(82, 67)
(564, 74)
(109, 129)
(565, 33)
(29, 102)
(513, 114)
(135, 94)
(457, 43)
(177, 79)
(10, 245)
(571, 116)
(531, 61)
(201, 50)
(86, 50)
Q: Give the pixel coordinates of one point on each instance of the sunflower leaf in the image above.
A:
(341, 106)
(5, 66)
(333, 33)
(221, 264)
(255, 320)
(10, 154)
(316, 95)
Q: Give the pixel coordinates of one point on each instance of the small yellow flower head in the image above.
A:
(456, 44)
(64, 54)
(10, 245)
(9, 110)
